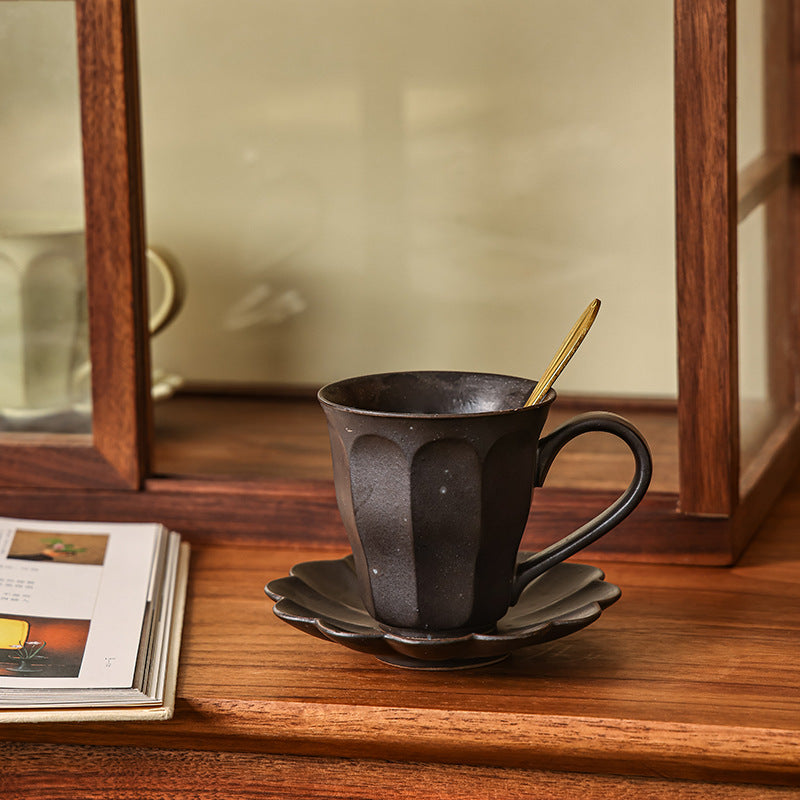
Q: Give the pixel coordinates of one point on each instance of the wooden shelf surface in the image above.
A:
(693, 675)
(251, 437)
(241, 437)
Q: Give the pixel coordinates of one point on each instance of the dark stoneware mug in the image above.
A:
(434, 475)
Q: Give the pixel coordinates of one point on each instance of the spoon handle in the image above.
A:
(565, 353)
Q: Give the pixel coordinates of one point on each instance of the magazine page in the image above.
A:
(73, 597)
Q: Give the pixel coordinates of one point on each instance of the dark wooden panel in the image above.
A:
(114, 232)
(250, 468)
(68, 462)
(243, 513)
(251, 437)
(51, 771)
(706, 202)
(693, 675)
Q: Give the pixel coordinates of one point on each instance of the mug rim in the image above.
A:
(543, 404)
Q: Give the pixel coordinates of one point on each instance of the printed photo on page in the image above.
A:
(72, 600)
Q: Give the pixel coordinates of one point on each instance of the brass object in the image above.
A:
(565, 352)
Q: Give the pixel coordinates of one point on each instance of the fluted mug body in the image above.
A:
(434, 475)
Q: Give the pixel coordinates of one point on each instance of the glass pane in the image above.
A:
(761, 257)
(749, 80)
(44, 367)
(355, 186)
(757, 412)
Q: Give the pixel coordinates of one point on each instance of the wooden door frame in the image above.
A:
(114, 456)
(706, 214)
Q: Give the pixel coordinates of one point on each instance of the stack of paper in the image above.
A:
(90, 619)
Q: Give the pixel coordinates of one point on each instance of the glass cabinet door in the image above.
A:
(358, 187)
(45, 373)
(766, 228)
(72, 413)
(355, 187)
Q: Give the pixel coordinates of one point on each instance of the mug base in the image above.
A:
(439, 635)
(449, 665)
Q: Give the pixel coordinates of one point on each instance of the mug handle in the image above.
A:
(549, 447)
(174, 295)
(174, 290)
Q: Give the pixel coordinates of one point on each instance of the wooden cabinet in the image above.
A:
(712, 485)
(688, 687)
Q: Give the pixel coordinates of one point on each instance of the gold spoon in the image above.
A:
(565, 353)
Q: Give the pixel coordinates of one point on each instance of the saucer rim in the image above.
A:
(446, 652)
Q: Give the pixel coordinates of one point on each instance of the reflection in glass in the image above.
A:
(44, 359)
(356, 186)
(750, 137)
(757, 235)
(757, 412)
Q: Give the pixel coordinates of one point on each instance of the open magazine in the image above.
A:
(90, 616)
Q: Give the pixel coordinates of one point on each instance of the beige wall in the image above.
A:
(40, 129)
(360, 186)
(752, 231)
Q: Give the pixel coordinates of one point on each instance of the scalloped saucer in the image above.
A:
(321, 598)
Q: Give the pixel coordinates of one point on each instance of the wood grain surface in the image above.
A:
(114, 233)
(200, 436)
(131, 774)
(693, 675)
(706, 216)
(249, 468)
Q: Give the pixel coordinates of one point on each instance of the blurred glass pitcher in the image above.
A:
(44, 326)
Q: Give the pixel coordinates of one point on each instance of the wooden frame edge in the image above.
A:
(766, 479)
(282, 515)
(65, 461)
(114, 234)
(706, 215)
